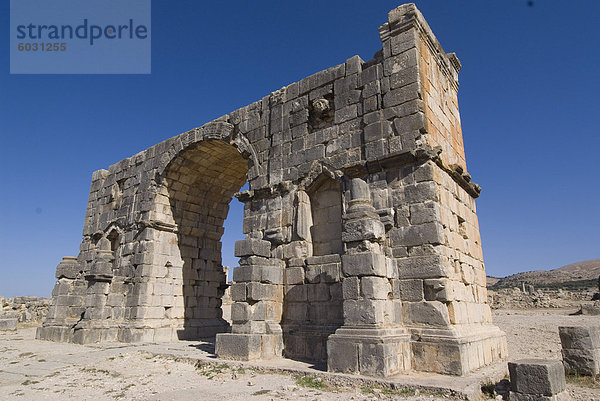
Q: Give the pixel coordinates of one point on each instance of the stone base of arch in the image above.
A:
(248, 347)
(369, 351)
(98, 333)
(453, 352)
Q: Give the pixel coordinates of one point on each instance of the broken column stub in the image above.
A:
(256, 311)
(537, 380)
(68, 268)
(581, 349)
(67, 304)
(361, 246)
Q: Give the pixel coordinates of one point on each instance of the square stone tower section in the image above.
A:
(361, 249)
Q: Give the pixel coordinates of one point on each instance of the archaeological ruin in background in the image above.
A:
(361, 246)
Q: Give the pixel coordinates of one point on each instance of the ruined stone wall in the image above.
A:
(24, 309)
(362, 247)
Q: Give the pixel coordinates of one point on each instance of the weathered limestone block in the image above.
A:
(427, 233)
(294, 275)
(251, 247)
(373, 352)
(259, 291)
(375, 288)
(263, 274)
(8, 324)
(591, 310)
(581, 349)
(579, 337)
(537, 379)
(364, 264)
(563, 396)
(408, 290)
(430, 313)
(421, 267)
(246, 347)
(364, 311)
(363, 229)
(69, 268)
(102, 268)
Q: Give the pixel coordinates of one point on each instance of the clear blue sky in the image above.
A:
(528, 100)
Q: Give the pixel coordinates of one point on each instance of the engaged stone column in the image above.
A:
(257, 292)
(537, 380)
(371, 341)
(581, 350)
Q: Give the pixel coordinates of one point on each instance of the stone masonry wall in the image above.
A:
(361, 244)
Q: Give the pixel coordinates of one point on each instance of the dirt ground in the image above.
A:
(37, 370)
(533, 333)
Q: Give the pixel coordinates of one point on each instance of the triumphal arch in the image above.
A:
(362, 246)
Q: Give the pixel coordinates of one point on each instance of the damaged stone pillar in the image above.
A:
(67, 303)
(91, 327)
(257, 293)
(371, 341)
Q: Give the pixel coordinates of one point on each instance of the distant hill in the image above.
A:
(492, 280)
(581, 272)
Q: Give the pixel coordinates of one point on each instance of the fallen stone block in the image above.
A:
(591, 310)
(9, 314)
(8, 324)
(537, 380)
(579, 337)
(581, 349)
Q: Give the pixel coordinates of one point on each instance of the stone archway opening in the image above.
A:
(200, 183)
